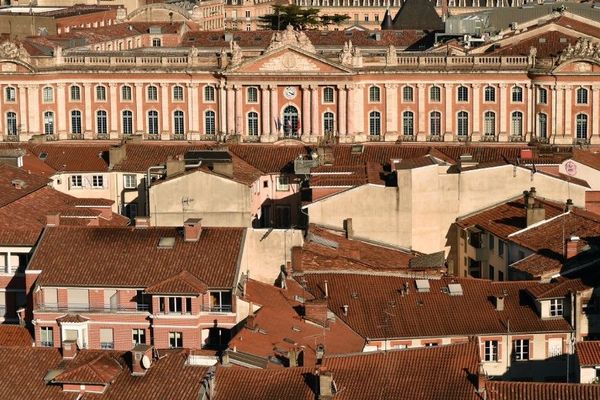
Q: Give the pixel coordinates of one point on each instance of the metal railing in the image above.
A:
(218, 309)
(47, 344)
(107, 345)
(107, 308)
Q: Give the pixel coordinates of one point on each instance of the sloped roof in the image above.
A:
(504, 390)
(15, 335)
(418, 15)
(137, 260)
(101, 370)
(588, 353)
(182, 283)
(16, 183)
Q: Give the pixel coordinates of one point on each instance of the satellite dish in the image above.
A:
(146, 362)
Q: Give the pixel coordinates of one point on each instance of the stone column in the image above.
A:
(315, 125)
(264, 110)
(342, 106)
(391, 109)
(306, 110)
(595, 121)
(61, 111)
(23, 110)
(359, 109)
(193, 111)
(448, 133)
(230, 110)
(139, 108)
(222, 107)
(274, 110)
(351, 128)
(560, 131)
(568, 113)
(476, 87)
(164, 110)
(552, 115)
(502, 99)
(114, 122)
(421, 128)
(33, 105)
(240, 121)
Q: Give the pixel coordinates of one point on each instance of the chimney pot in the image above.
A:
(345, 308)
(251, 322)
(499, 303)
(569, 205)
(192, 229)
(69, 349)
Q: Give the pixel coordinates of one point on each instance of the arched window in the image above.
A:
(75, 93)
(542, 125)
(517, 94)
(49, 123)
(517, 123)
(582, 126)
(209, 122)
(209, 94)
(489, 123)
(408, 123)
(177, 93)
(126, 93)
(253, 123)
(11, 123)
(582, 96)
(375, 123)
(101, 122)
(178, 122)
(127, 122)
(100, 93)
(153, 122)
(47, 94)
(252, 95)
(328, 122)
(542, 96)
(10, 94)
(462, 126)
(435, 94)
(374, 94)
(76, 122)
(407, 94)
(152, 93)
(435, 123)
(489, 94)
(462, 94)
(328, 95)
(290, 121)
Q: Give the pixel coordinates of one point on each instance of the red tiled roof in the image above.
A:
(102, 370)
(182, 283)
(507, 218)
(504, 390)
(587, 157)
(15, 335)
(137, 260)
(16, 183)
(72, 318)
(558, 288)
(270, 158)
(378, 309)
(141, 156)
(588, 353)
(74, 157)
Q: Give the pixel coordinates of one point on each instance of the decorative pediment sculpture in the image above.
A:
(291, 37)
(10, 50)
(236, 55)
(583, 49)
(391, 57)
(345, 56)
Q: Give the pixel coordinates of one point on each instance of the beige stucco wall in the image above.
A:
(590, 175)
(219, 201)
(266, 251)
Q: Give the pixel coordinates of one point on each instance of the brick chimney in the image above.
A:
(325, 384)
(53, 219)
(192, 229)
(69, 349)
(481, 380)
(316, 311)
(571, 247)
(251, 322)
(348, 228)
(116, 155)
(223, 168)
(499, 300)
(142, 222)
(175, 166)
(141, 358)
(569, 205)
(535, 212)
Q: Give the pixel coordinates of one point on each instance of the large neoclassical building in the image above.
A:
(167, 82)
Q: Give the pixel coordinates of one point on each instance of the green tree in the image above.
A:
(299, 18)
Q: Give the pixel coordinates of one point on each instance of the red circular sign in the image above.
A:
(571, 168)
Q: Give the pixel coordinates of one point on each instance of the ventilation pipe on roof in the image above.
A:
(569, 205)
(499, 303)
(326, 288)
(345, 308)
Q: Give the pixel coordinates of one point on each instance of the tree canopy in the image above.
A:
(300, 18)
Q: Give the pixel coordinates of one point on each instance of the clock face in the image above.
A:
(289, 92)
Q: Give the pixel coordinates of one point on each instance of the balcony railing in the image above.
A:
(435, 138)
(47, 344)
(107, 345)
(517, 138)
(218, 309)
(76, 136)
(489, 138)
(178, 136)
(107, 308)
(11, 138)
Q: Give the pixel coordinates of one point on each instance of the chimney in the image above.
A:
(296, 263)
(18, 184)
(175, 166)
(141, 358)
(53, 219)
(569, 205)
(225, 358)
(481, 380)
(530, 197)
(316, 311)
(69, 349)
(348, 228)
(251, 322)
(325, 384)
(116, 155)
(142, 222)
(207, 390)
(499, 303)
(535, 212)
(571, 247)
(192, 229)
(293, 357)
(223, 168)
(345, 308)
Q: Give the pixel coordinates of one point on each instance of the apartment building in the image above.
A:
(166, 287)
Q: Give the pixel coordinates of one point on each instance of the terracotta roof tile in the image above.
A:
(74, 157)
(102, 370)
(139, 157)
(138, 261)
(378, 308)
(587, 157)
(588, 353)
(182, 283)
(270, 158)
(502, 390)
(16, 183)
(72, 318)
(15, 335)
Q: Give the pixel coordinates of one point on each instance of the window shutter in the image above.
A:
(50, 296)
(106, 335)
(77, 297)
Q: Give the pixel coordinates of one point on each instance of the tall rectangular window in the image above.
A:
(175, 340)
(106, 339)
(556, 307)
(47, 336)
(490, 350)
(127, 122)
(138, 336)
(521, 349)
(175, 304)
(500, 248)
(126, 93)
(76, 122)
(76, 181)
(130, 181)
(97, 181)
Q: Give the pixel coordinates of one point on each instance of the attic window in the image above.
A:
(191, 39)
(563, 40)
(43, 155)
(214, 38)
(422, 285)
(166, 243)
(357, 149)
(257, 38)
(542, 40)
(455, 289)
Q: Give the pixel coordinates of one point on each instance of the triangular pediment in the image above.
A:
(289, 60)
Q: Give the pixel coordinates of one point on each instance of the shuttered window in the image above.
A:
(77, 299)
(106, 338)
(50, 297)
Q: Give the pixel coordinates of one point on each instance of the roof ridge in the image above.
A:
(537, 224)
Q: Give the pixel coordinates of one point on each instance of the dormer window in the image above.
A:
(556, 307)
